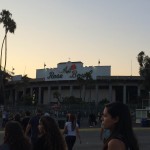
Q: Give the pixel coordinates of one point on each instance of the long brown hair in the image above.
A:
(14, 137)
(73, 121)
(54, 139)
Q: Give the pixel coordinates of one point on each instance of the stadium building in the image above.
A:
(90, 83)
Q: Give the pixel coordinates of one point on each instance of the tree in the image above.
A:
(144, 69)
(80, 80)
(88, 81)
(10, 26)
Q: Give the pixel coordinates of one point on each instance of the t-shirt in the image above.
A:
(69, 129)
(25, 122)
(40, 144)
(34, 122)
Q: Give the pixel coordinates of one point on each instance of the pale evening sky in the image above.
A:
(52, 31)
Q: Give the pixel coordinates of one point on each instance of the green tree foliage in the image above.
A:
(144, 69)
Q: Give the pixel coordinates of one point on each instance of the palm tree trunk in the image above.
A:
(2, 52)
(2, 89)
(5, 51)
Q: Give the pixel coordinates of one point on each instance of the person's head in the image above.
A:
(14, 136)
(68, 116)
(17, 117)
(27, 113)
(13, 130)
(116, 116)
(49, 128)
(72, 117)
(47, 124)
(38, 112)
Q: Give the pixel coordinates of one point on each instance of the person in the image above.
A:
(14, 138)
(92, 120)
(25, 120)
(50, 137)
(116, 117)
(17, 117)
(71, 130)
(79, 119)
(32, 126)
(4, 118)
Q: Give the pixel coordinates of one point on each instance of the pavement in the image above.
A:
(91, 137)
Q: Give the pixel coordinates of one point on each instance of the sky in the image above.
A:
(54, 31)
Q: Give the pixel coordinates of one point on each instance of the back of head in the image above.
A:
(27, 113)
(14, 136)
(17, 117)
(72, 117)
(48, 122)
(54, 138)
(38, 111)
(13, 129)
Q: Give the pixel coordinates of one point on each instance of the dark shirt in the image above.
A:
(41, 144)
(25, 122)
(34, 122)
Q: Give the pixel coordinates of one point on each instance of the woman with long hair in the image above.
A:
(116, 117)
(50, 137)
(71, 130)
(14, 138)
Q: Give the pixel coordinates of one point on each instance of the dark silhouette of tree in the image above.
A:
(10, 26)
(81, 81)
(88, 82)
(144, 69)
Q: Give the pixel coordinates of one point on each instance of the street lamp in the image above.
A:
(33, 99)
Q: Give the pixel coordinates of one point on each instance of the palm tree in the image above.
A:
(10, 26)
(88, 83)
(80, 80)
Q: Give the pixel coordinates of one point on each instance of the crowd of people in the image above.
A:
(42, 132)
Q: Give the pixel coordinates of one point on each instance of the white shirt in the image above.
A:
(70, 132)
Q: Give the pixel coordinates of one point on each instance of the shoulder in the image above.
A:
(114, 144)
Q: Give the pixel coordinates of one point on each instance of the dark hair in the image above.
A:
(53, 136)
(39, 111)
(15, 137)
(73, 121)
(27, 113)
(17, 117)
(124, 125)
